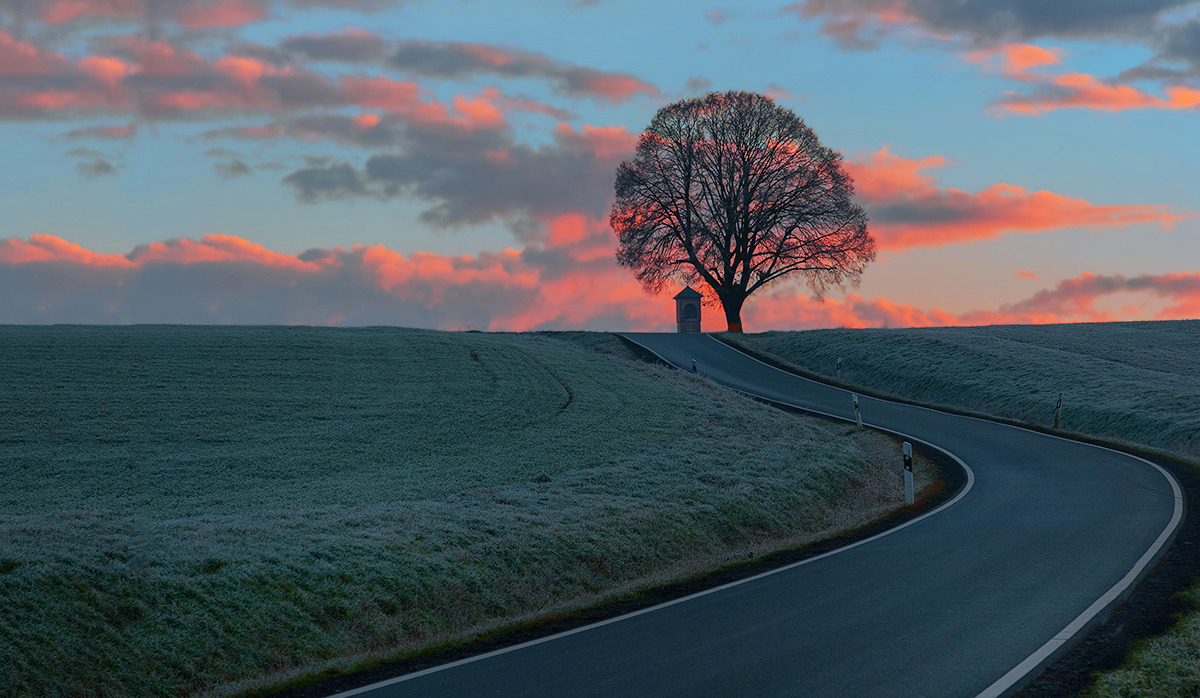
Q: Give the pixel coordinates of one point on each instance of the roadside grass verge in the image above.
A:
(221, 510)
(1135, 383)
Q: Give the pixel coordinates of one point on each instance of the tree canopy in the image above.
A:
(736, 192)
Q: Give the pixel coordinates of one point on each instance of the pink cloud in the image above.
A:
(1016, 60)
(215, 248)
(883, 175)
(515, 104)
(365, 121)
(24, 58)
(49, 248)
(908, 209)
(478, 111)
(616, 87)
(457, 60)
(1082, 91)
(567, 281)
(605, 142)
(111, 71)
(160, 80)
(228, 276)
(382, 93)
(1076, 297)
(193, 14)
(1047, 93)
(62, 11)
(862, 25)
(221, 14)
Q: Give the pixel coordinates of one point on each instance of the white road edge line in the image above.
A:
(633, 614)
(1004, 683)
(1014, 675)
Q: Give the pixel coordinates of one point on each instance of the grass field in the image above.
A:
(211, 510)
(1136, 382)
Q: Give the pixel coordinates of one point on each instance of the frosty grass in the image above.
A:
(1136, 382)
(190, 510)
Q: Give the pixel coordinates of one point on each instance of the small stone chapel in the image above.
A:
(687, 309)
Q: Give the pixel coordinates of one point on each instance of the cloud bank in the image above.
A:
(568, 281)
(908, 209)
(982, 29)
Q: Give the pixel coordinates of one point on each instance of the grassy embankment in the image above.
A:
(221, 509)
(1137, 383)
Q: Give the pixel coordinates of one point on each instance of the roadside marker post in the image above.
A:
(694, 366)
(908, 475)
(839, 368)
(1057, 410)
(857, 414)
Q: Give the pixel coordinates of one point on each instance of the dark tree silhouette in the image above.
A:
(737, 192)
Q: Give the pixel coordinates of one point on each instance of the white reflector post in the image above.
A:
(908, 476)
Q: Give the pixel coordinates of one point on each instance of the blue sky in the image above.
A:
(399, 162)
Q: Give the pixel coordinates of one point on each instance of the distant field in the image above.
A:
(1137, 382)
(207, 509)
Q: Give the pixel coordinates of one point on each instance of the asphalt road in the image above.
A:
(964, 601)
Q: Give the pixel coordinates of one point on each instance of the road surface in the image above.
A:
(965, 601)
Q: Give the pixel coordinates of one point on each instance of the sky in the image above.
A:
(449, 164)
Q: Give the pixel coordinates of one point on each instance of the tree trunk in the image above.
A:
(733, 313)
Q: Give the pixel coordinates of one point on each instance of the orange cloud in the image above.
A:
(1076, 297)
(490, 55)
(220, 14)
(1016, 59)
(158, 79)
(1071, 90)
(61, 11)
(208, 15)
(246, 71)
(568, 229)
(61, 100)
(160, 57)
(484, 110)
(365, 121)
(558, 284)
(790, 310)
(24, 58)
(883, 175)
(183, 82)
(456, 60)
(617, 87)
(215, 248)
(106, 69)
(860, 27)
(392, 270)
(510, 104)
(783, 310)
(1082, 91)
(382, 93)
(478, 111)
(605, 142)
(584, 298)
(49, 248)
(908, 209)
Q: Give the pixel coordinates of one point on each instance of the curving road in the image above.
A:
(965, 601)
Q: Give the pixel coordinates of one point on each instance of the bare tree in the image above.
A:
(737, 192)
